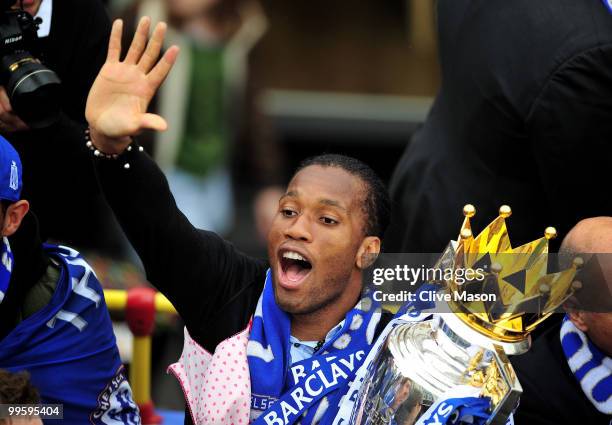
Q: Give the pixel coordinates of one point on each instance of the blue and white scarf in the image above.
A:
(283, 393)
(70, 351)
(591, 367)
(6, 267)
(459, 405)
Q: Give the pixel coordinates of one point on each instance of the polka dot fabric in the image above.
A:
(217, 387)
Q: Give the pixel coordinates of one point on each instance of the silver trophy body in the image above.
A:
(420, 361)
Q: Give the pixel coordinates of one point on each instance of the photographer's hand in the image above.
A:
(118, 100)
(9, 121)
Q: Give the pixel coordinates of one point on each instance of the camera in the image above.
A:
(32, 88)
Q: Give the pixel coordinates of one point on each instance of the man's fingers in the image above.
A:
(153, 122)
(5, 103)
(114, 43)
(154, 46)
(11, 122)
(160, 71)
(139, 42)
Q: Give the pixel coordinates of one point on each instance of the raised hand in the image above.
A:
(119, 97)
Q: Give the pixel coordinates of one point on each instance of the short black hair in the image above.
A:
(377, 205)
(5, 204)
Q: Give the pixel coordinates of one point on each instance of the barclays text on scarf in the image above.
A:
(311, 383)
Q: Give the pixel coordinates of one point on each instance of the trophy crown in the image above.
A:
(524, 292)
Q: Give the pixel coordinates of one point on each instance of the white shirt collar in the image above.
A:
(44, 12)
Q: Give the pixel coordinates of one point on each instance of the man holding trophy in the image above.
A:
(293, 339)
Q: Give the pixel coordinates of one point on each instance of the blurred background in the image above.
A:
(260, 86)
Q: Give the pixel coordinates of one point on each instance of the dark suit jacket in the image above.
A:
(523, 117)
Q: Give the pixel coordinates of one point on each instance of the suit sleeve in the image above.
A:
(199, 272)
(89, 55)
(570, 127)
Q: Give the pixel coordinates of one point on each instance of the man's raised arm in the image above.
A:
(198, 271)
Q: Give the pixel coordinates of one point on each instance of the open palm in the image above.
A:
(119, 97)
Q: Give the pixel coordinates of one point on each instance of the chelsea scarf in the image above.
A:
(310, 390)
(591, 367)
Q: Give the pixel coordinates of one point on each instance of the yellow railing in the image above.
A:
(140, 306)
(116, 300)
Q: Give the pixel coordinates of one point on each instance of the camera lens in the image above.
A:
(33, 89)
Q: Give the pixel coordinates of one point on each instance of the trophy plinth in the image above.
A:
(421, 361)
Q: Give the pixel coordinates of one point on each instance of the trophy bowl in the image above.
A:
(420, 362)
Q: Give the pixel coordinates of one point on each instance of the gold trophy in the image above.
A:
(421, 361)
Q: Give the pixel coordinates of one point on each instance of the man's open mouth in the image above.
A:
(294, 267)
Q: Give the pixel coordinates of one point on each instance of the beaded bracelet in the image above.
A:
(99, 154)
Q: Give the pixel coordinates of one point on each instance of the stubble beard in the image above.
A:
(312, 303)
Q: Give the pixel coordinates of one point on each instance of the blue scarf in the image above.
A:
(285, 393)
(591, 367)
(69, 349)
(6, 267)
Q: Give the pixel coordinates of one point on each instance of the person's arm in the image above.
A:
(199, 272)
(570, 130)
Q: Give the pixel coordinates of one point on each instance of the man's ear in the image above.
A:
(368, 252)
(578, 319)
(13, 216)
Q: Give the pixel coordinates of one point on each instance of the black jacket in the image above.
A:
(57, 181)
(213, 286)
(30, 264)
(523, 117)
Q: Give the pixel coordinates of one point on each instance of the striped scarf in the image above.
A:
(6, 267)
(590, 366)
